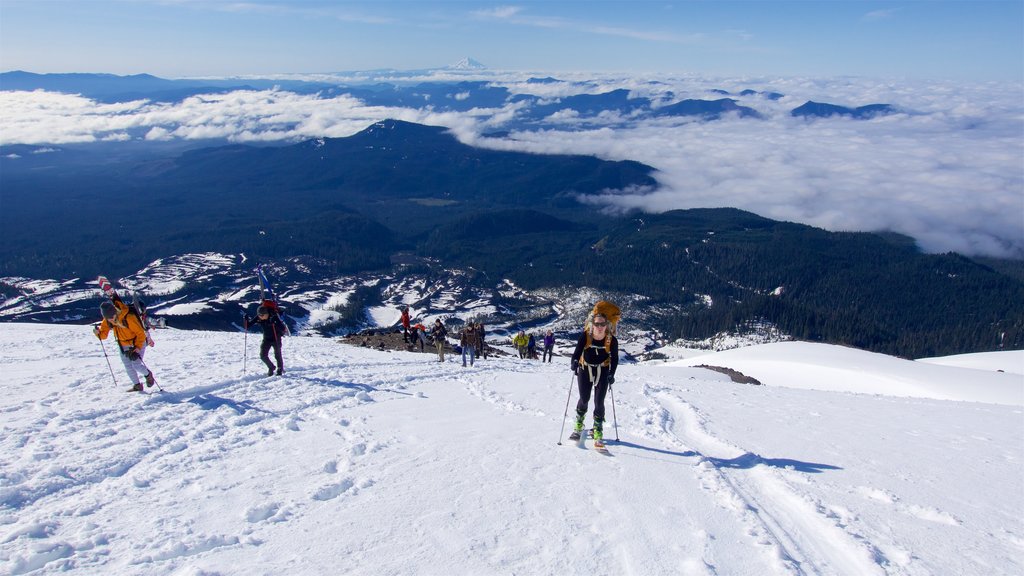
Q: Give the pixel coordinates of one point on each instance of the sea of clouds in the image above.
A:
(948, 169)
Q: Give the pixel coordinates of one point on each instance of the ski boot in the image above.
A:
(578, 427)
(150, 380)
(598, 433)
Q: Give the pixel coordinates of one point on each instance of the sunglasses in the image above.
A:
(600, 324)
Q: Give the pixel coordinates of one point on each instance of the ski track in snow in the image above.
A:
(788, 523)
(369, 462)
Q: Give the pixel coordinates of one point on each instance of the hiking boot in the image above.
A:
(280, 371)
(270, 372)
(150, 380)
(136, 388)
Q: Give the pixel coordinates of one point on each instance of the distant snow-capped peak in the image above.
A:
(467, 64)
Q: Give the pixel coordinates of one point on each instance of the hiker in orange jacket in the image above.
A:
(131, 339)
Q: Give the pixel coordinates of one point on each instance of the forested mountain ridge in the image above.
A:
(353, 203)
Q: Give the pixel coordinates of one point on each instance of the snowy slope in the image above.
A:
(1010, 361)
(835, 368)
(364, 462)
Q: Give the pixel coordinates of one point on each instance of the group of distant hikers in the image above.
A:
(593, 362)
(526, 345)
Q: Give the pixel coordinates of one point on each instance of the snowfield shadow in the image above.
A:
(743, 462)
(213, 402)
(686, 454)
(353, 386)
(750, 460)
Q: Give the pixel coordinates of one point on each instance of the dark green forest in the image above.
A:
(865, 290)
(398, 187)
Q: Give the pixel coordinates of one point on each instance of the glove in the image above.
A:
(575, 367)
(133, 354)
(611, 380)
(96, 331)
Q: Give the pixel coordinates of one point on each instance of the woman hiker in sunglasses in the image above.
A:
(594, 361)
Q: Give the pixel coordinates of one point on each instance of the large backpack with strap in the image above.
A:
(612, 313)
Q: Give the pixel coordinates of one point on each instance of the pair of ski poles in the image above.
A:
(615, 419)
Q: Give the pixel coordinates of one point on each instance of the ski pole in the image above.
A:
(615, 419)
(566, 413)
(245, 343)
(107, 358)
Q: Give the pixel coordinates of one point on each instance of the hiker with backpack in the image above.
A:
(468, 341)
(549, 346)
(594, 362)
(130, 333)
(481, 335)
(438, 333)
(520, 341)
(274, 330)
(420, 334)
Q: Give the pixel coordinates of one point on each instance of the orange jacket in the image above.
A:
(127, 329)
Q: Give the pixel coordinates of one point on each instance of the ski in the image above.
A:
(106, 287)
(580, 438)
(136, 306)
(268, 298)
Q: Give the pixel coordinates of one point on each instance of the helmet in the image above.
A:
(108, 310)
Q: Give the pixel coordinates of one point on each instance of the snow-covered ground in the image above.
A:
(996, 377)
(365, 462)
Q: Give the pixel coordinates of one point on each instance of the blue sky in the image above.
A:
(973, 40)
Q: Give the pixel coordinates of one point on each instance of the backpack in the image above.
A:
(137, 308)
(612, 313)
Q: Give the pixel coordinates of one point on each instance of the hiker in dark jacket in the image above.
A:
(438, 333)
(480, 335)
(273, 332)
(468, 341)
(549, 346)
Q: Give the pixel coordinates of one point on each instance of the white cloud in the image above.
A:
(515, 15)
(948, 172)
(876, 15)
(498, 13)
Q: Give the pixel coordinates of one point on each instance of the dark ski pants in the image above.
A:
(265, 354)
(600, 390)
(548, 353)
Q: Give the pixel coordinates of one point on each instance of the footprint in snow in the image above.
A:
(262, 512)
(332, 491)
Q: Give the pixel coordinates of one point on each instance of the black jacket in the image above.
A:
(273, 327)
(596, 354)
